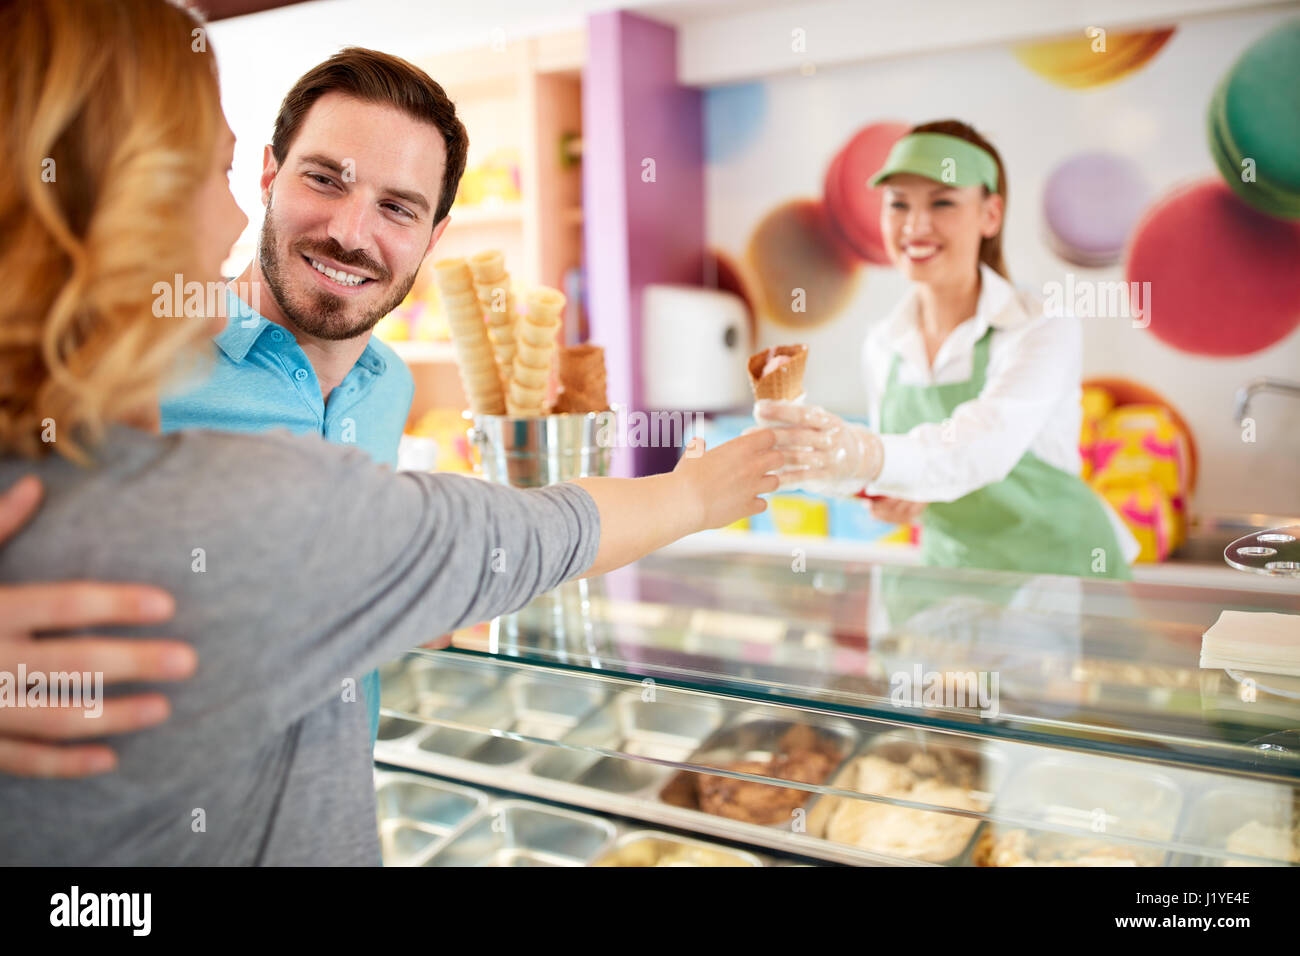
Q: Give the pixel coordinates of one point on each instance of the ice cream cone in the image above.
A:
(545, 301)
(530, 377)
(524, 401)
(475, 357)
(783, 383)
(538, 356)
(535, 338)
(582, 380)
(452, 275)
(497, 300)
(488, 266)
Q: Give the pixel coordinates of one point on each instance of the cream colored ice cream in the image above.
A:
(1021, 848)
(902, 831)
(1280, 843)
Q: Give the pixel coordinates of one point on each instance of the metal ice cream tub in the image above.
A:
(536, 451)
(520, 833)
(418, 815)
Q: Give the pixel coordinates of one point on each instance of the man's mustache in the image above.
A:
(332, 250)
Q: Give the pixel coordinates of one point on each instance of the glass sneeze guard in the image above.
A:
(1095, 666)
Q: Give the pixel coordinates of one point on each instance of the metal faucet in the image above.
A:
(1245, 394)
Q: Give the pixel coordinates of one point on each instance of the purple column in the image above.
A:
(638, 122)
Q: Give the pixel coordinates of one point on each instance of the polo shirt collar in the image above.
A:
(238, 339)
(243, 327)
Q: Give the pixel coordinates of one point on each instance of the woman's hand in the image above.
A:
(896, 510)
(820, 450)
(25, 611)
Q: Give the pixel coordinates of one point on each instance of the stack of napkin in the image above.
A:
(1253, 641)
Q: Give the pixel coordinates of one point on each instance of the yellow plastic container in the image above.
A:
(799, 516)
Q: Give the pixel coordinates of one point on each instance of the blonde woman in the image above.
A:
(296, 565)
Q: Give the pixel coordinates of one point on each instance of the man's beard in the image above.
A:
(318, 312)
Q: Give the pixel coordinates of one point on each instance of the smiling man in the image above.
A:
(357, 183)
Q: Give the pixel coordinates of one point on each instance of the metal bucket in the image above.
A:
(532, 452)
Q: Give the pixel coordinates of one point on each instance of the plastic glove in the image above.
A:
(823, 453)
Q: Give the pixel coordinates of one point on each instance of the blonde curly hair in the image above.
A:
(110, 113)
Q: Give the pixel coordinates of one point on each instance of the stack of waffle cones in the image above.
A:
(505, 356)
(582, 381)
(535, 336)
(492, 286)
(469, 335)
(777, 373)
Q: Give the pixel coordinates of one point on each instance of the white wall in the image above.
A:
(727, 42)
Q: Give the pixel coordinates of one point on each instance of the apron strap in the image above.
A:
(980, 361)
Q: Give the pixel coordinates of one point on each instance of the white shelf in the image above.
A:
(424, 352)
(494, 214)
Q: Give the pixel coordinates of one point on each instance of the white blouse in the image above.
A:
(1030, 400)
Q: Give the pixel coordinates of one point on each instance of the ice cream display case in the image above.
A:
(707, 707)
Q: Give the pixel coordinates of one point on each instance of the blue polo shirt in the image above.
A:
(261, 379)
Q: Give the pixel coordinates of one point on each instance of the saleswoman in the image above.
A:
(973, 391)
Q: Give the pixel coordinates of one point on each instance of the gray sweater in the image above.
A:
(316, 566)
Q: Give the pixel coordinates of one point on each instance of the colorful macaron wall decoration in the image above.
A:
(852, 205)
(1091, 202)
(1254, 123)
(1091, 58)
(1218, 277)
(804, 275)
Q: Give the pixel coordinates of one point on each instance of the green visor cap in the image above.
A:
(943, 158)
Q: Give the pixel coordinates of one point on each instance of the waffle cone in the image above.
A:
(497, 300)
(522, 411)
(453, 275)
(545, 302)
(524, 401)
(786, 382)
(475, 357)
(572, 402)
(530, 377)
(488, 266)
(582, 380)
(501, 335)
(529, 330)
(538, 356)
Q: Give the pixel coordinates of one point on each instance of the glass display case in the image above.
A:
(855, 713)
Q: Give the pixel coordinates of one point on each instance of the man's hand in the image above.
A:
(725, 483)
(896, 510)
(25, 611)
(706, 490)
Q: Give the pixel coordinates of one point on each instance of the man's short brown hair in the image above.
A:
(376, 77)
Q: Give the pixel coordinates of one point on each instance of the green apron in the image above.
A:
(1038, 519)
